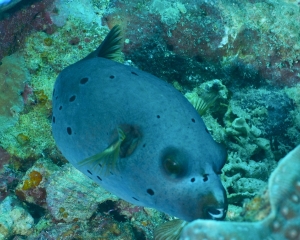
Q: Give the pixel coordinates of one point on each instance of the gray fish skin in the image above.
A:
(116, 94)
(7, 4)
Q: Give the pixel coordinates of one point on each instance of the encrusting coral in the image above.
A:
(283, 221)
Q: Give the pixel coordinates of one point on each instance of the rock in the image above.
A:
(14, 220)
(72, 196)
(245, 43)
(238, 127)
(13, 74)
(33, 187)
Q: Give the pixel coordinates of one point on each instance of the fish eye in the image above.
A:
(173, 163)
(172, 166)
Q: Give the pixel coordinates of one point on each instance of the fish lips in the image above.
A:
(214, 206)
(211, 205)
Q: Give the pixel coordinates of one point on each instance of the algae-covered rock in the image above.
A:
(238, 127)
(14, 220)
(294, 129)
(267, 112)
(169, 12)
(72, 196)
(250, 185)
(244, 179)
(269, 109)
(33, 187)
(13, 76)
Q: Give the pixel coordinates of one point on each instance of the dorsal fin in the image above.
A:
(110, 47)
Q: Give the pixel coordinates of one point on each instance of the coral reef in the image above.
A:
(15, 27)
(294, 130)
(273, 115)
(65, 193)
(14, 219)
(69, 195)
(33, 187)
(80, 9)
(30, 137)
(13, 74)
(245, 52)
(9, 179)
(244, 179)
(4, 159)
(76, 206)
(210, 39)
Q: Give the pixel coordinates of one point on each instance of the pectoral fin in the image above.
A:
(109, 157)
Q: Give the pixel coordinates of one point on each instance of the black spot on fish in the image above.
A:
(111, 76)
(53, 119)
(69, 130)
(134, 73)
(60, 108)
(56, 98)
(193, 120)
(193, 180)
(158, 116)
(83, 80)
(205, 177)
(72, 99)
(144, 145)
(150, 191)
(135, 198)
(99, 178)
(89, 172)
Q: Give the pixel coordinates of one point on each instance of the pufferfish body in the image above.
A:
(137, 136)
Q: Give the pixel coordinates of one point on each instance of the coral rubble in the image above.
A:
(14, 219)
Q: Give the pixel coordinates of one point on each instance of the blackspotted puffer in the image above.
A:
(137, 136)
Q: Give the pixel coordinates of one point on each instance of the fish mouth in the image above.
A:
(216, 213)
